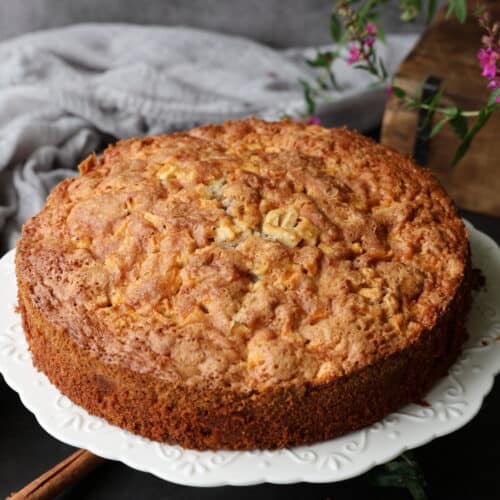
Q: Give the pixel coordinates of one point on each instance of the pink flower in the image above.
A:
(313, 120)
(489, 55)
(308, 120)
(371, 28)
(369, 41)
(388, 90)
(484, 55)
(354, 54)
(488, 60)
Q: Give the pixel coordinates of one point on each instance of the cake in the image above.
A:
(245, 285)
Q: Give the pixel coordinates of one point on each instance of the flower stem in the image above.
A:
(440, 110)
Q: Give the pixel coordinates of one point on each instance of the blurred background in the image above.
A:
(278, 23)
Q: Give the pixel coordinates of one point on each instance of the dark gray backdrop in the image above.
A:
(280, 23)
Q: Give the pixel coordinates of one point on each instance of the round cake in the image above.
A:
(245, 285)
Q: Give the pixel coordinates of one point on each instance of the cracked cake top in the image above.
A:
(245, 254)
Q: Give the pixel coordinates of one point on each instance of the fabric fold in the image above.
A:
(67, 92)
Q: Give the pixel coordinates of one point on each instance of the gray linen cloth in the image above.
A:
(64, 93)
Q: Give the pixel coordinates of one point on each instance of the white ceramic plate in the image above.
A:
(453, 402)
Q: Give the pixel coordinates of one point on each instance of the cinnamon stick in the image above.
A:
(57, 479)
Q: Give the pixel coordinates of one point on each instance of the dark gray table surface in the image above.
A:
(465, 464)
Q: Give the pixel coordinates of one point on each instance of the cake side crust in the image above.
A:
(213, 418)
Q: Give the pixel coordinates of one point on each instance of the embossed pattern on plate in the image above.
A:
(452, 403)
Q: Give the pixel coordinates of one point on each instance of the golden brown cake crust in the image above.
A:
(249, 284)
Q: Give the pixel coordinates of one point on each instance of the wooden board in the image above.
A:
(448, 50)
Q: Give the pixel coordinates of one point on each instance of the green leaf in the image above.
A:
(431, 10)
(308, 97)
(416, 491)
(335, 27)
(493, 97)
(432, 103)
(482, 119)
(321, 83)
(403, 472)
(437, 128)
(410, 9)
(333, 80)
(451, 112)
(459, 125)
(398, 92)
(383, 69)
(434, 99)
(458, 8)
(365, 67)
(381, 35)
(364, 11)
(392, 480)
(322, 60)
